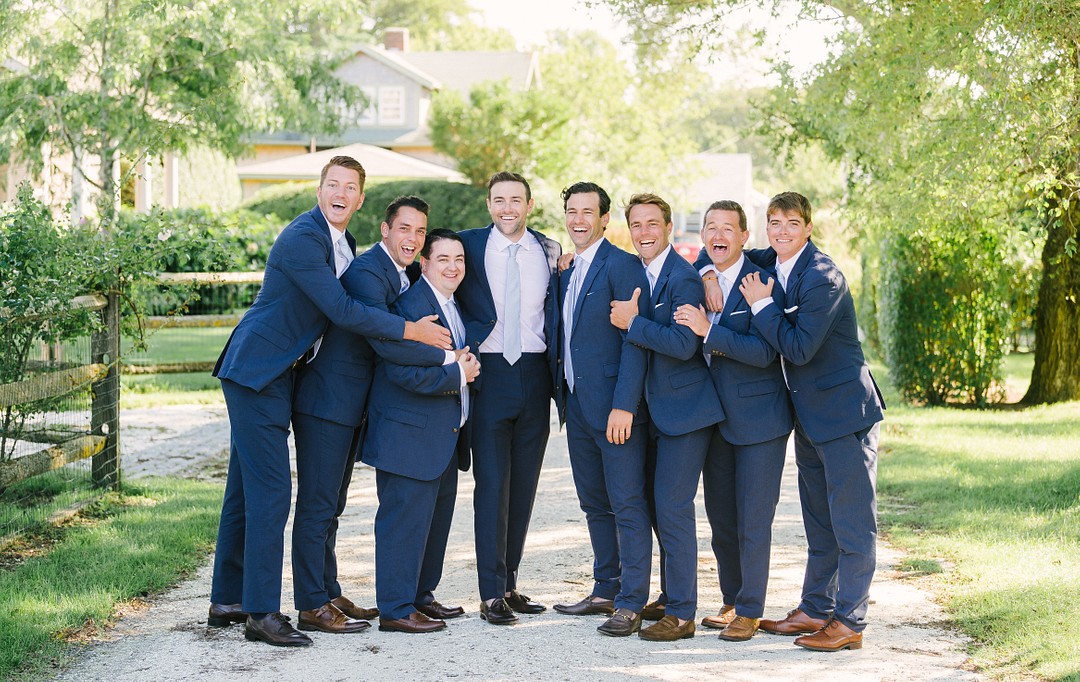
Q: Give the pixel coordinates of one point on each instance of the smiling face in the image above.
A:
(723, 237)
(404, 237)
(584, 223)
(509, 208)
(648, 230)
(788, 233)
(340, 194)
(445, 265)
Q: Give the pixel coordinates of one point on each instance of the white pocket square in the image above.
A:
(791, 309)
(737, 312)
(658, 305)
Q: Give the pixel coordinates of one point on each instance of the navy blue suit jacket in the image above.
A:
(746, 372)
(414, 413)
(334, 386)
(300, 293)
(609, 372)
(678, 389)
(478, 306)
(816, 333)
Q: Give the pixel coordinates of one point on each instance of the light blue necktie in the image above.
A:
(457, 331)
(404, 281)
(512, 308)
(342, 256)
(573, 289)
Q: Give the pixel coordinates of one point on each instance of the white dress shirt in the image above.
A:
(535, 277)
(402, 277)
(457, 330)
(783, 272)
(582, 261)
(727, 281)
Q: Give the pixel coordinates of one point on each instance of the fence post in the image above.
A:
(105, 408)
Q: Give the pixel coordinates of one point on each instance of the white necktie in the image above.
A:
(782, 278)
(457, 330)
(652, 280)
(512, 307)
(573, 289)
(342, 255)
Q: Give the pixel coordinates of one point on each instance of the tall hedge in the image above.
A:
(453, 205)
(943, 312)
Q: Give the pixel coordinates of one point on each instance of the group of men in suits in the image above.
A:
(426, 373)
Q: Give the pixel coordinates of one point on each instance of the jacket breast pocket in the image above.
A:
(764, 387)
(354, 370)
(272, 335)
(738, 322)
(834, 379)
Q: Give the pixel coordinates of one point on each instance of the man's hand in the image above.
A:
(714, 294)
(624, 312)
(565, 261)
(470, 365)
(427, 330)
(460, 353)
(693, 317)
(619, 424)
(754, 290)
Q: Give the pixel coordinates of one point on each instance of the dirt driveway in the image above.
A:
(170, 641)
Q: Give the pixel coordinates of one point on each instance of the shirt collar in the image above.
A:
(387, 252)
(732, 273)
(335, 235)
(658, 263)
(438, 294)
(589, 254)
(501, 243)
(787, 266)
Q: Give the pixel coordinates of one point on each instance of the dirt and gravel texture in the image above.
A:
(908, 638)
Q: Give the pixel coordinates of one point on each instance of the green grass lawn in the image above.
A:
(179, 344)
(123, 547)
(988, 503)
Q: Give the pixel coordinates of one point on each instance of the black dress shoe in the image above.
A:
(522, 604)
(623, 624)
(274, 629)
(499, 613)
(225, 614)
(587, 607)
(438, 611)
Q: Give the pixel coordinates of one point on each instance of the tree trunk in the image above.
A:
(1056, 376)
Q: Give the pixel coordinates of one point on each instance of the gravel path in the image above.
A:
(907, 638)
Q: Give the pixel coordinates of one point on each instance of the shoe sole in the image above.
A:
(665, 639)
(255, 638)
(314, 628)
(713, 626)
(383, 628)
(729, 638)
(789, 634)
(617, 634)
(498, 622)
(223, 622)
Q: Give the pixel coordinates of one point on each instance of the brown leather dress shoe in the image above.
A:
(414, 623)
(353, 611)
(833, 637)
(275, 630)
(587, 607)
(522, 604)
(329, 618)
(654, 610)
(795, 623)
(438, 611)
(740, 629)
(623, 624)
(222, 615)
(667, 629)
(720, 620)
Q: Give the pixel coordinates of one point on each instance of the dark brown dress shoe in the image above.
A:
(353, 611)
(274, 629)
(438, 611)
(414, 623)
(795, 623)
(740, 629)
(667, 629)
(720, 620)
(522, 604)
(833, 637)
(499, 613)
(623, 624)
(654, 610)
(222, 615)
(329, 618)
(587, 607)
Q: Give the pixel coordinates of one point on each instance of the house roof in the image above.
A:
(462, 70)
(396, 61)
(377, 162)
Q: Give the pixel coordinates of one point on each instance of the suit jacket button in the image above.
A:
(455, 429)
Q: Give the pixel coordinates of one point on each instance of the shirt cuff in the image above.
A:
(461, 372)
(450, 357)
(706, 269)
(760, 305)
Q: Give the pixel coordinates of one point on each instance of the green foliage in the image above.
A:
(498, 129)
(131, 545)
(434, 25)
(943, 313)
(453, 205)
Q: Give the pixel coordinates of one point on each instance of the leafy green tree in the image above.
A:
(498, 128)
(435, 25)
(967, 111)
(104, 78)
